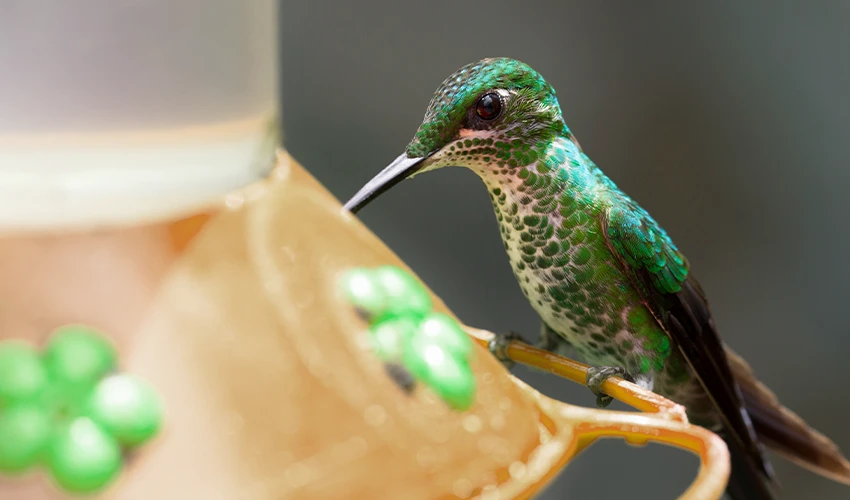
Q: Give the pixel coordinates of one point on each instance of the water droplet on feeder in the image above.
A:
(517, 470)
(472, 423)
(375, 415)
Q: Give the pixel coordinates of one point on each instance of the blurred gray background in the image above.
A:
(728, 121)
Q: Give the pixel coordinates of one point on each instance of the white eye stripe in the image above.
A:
(483, 134)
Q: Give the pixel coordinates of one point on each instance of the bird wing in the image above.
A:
(661, 274)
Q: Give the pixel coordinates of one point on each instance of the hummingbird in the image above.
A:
(605, 278)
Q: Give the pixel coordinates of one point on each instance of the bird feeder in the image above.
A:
(166, 256)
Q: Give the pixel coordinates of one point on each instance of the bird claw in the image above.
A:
(597, 375)
(498, 346)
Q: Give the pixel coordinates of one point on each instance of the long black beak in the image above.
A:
(401, 168)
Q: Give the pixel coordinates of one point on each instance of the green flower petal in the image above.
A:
(445, 331)
(79, 355)
(362, 290)
(83, 458)
(454, 382)
(126, 407)
(390, 336)
(413, 358)
(406, 295)
(22, 375)
(24, 434)
(449, 377)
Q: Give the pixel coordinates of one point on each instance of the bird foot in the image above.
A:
(597, 375)
(498, 346)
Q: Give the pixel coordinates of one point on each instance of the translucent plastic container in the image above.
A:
(117, 112)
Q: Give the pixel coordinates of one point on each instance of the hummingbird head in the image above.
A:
(492, 116)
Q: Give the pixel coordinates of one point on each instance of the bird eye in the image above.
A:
(489, 106)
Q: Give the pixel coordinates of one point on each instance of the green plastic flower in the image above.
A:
(386, 291)
(403, 329)
(67, 409)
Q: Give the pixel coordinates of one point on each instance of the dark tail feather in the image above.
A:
(783, 431)
(747, 481)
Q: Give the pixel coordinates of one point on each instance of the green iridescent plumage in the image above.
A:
(644, 245)
(446, 111)
(605, 278)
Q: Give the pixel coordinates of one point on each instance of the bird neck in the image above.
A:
(562, 175)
